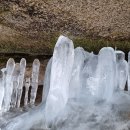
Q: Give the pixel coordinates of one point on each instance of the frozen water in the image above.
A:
(34, 83)
(105, 74)
(8, 84)
(15, 79)
(62, 63)
(89, 73)
(128, 71)
(47, 81)
(21, 80)
(27, 85)
(122, 70)
(1, 89)
(75, 82)
(80, 92)
(120, 55)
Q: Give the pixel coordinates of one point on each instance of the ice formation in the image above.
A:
(15, 85)
(1, 89)
(27, 85)
(62, 63)
(8, 84)
(82, 91)
(21, 80)
(34, 83)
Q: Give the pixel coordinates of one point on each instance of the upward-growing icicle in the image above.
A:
(88, 73)
(47, 81)
(75, 82)
(1, 89)
(122, 69)
(8, 84)
(21, 80)
(128, 82)
(34, 83)
(62, 63)
(27, 85)
(106, 73)
(15, 85)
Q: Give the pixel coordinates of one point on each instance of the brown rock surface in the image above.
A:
(36, 24)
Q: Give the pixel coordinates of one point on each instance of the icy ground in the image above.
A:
(89, 114)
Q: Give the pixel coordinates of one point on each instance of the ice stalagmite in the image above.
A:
(75, 82)
(1, 89)
(8, 84)
(128, 82)
(122, 69)
(15, 85)
(120, 55)
(62, 63)
(47, 81)
(106, 74)
(34, 83)
(27, 85)
(88, 73)
(21, 80)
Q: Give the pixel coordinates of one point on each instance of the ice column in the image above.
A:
(128, 82)
(106, 73)
(47, 81)
(75, 82)
(62, 63)
(27, 85)
(15, 85)
(89, 73)
(1, 89)
(122, 69)
(8, 84)
(21, 80)
(34, 83)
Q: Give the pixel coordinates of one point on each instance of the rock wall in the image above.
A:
(36, 24)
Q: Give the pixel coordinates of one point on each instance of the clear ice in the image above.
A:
(34, 82)
(21, 80)
(122, 70)
(61, 69)
(8, 84)
(82, 91)
(15, 85)
(1, 89)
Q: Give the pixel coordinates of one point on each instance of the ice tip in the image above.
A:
(110, 49)
(36, 61)
(10, 62)
(63, 39)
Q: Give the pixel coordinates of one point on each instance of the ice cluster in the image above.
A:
(82, 91)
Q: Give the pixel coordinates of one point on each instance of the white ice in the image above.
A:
(1, 89)
(93, 78)
(8, 84)
(61, 69)
(122, 70)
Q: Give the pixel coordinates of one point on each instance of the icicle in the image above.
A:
(122, 69)
(1, 89)
(62, 63)
(34, 83)
(128, 82)
(75, 82)
(106, 74)
(47, 81)
(8, 84)
(21, 80)
(27, 85)
(15, 85)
